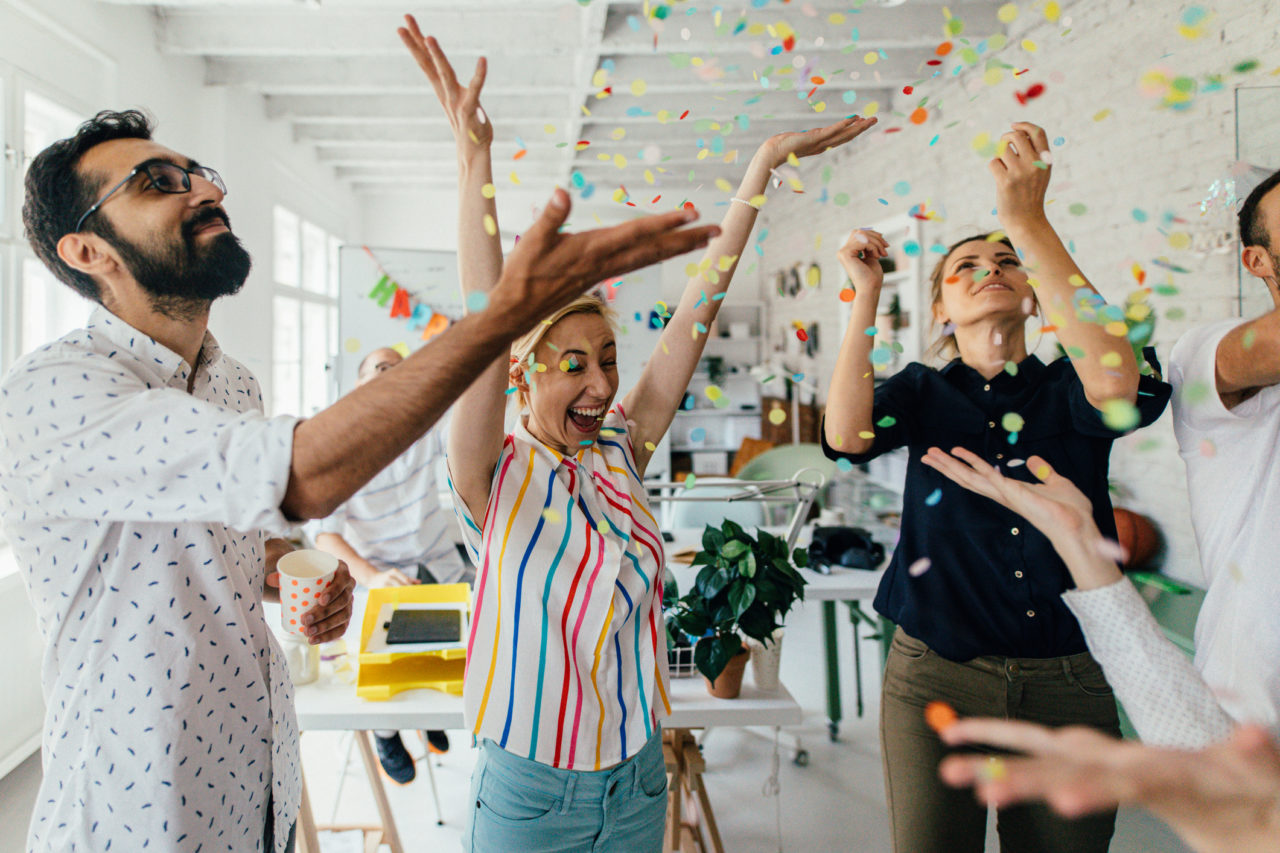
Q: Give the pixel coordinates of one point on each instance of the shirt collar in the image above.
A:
(552, 456)
(165, 364)
(966, 378)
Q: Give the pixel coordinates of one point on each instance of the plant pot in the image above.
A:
(766, 661)
(1139, 537)
(729, 683)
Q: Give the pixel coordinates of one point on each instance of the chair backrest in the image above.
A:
(698, 514)
(782, 462)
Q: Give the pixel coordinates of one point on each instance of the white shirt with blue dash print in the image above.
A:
(138, 513)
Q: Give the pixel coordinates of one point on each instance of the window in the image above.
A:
(35, 307)
(43, 123)
(286, 247)
(306, 316)
(50, 308)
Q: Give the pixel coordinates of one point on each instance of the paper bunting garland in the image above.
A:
(404, 304)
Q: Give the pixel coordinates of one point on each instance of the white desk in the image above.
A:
(330, 705)
(337, 707)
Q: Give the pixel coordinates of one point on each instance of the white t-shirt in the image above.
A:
(396, 521)
(1233, 477)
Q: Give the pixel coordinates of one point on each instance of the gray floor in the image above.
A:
(836, 803)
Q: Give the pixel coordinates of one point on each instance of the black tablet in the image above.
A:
(424, 626)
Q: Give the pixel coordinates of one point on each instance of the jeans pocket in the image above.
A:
(652, 778)
(1091, 682)
(512, 804)
(908, 647)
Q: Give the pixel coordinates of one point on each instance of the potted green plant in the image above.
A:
(746, 586)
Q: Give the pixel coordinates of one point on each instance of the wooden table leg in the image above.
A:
(675, 781)
(390, 835)
(308, 838)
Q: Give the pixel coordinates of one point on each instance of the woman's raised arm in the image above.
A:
(652, 403)
(1104, 362)
(476, 427)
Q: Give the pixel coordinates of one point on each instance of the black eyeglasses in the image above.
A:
(164, 176)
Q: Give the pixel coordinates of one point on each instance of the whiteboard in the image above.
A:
(364, 325)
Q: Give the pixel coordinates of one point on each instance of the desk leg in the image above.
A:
(675, 795)
(308, 837)
(390, 835)
(834, 712)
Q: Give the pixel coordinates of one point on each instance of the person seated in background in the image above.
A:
(1226, 416)
(1222, 799)
(393, 532)
(1165, 697)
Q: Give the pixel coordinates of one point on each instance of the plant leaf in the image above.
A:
(741, 596)
(715, 583)
(747, 565)
(712, 539)
(734, 549)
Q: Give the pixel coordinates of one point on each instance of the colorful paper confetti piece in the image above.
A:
(940, 716)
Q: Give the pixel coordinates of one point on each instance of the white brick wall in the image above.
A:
(1140, 157)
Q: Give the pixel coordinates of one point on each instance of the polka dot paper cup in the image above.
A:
(304, 574)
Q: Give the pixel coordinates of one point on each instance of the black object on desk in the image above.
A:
(850, 547)
(424, 626)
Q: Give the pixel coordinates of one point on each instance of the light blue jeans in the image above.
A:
(527, 806)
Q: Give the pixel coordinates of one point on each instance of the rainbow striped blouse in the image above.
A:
(566, 661)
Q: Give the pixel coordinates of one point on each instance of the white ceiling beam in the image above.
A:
(627, 32)
(332, 33)
(427, 131)
(586, 62)
(303, 75)
(423, 105)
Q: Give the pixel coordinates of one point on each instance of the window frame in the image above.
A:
(302, 298)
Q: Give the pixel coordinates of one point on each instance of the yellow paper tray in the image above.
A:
(384, 674)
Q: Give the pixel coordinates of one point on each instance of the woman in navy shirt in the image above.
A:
(974, 590)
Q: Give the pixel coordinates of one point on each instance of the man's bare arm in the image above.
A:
(1248, 358)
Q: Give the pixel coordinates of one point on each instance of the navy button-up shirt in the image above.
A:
(994, 583)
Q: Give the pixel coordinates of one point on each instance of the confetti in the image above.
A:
(477, 301)
(777, 416)
(939, 716)
(650, 446)
(551, 516)
(1013, 422)
(994, 769)
(488, 191)
(490, 227)
(933, 498)
(689, 481)
(919, 567)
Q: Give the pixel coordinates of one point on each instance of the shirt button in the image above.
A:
(999, 455)
(991, 424)
(986, 387)
(1031, 613)
(1014, 669)
(1014, 531)
(1018, 574)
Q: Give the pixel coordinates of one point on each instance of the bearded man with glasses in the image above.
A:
(142, 488)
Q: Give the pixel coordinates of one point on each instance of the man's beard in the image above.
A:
(181, 278)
